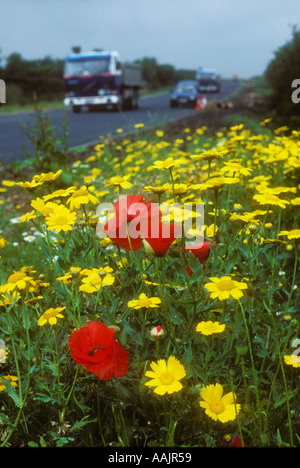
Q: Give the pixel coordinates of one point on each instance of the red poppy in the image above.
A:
(132, 220)
(160, 240)
(95, 347)
(200, 251)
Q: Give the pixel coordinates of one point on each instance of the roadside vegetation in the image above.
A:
(187, 337)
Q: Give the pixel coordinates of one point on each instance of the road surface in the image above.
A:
(87, 127)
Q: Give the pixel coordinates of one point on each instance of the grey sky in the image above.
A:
(233, 36)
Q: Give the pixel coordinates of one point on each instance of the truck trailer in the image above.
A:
(99, 79)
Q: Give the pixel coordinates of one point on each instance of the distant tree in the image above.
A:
(283, 69)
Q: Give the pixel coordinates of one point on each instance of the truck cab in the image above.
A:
(98, 79)
(208, 80)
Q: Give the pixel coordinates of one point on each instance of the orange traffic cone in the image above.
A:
(198, 103)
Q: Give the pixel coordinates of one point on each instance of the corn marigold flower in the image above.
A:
(144, 302)
(81, 197)
(50, 316)
(7, 299)
(62, 219)
(119, 182)
(96, 279)
(29, 185)
(217, 406)
(19, 281)
(12, 379)
(3, 242)
(269, 199)
(27, 217)
(209, 327)
(43, 208)
(293, 234)
(94, 347)
(61, 193)
(165, 376)
(168, 163)
(47, 177)
(216, 183)
(292, 360)
(225, 287)
(209, 155)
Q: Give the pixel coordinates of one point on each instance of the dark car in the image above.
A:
(184, 93)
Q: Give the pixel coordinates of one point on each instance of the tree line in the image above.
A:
(43, 78)
(281, 73)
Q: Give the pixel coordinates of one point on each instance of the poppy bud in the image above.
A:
(157, 332)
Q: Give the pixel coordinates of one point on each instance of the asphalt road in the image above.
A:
(87, 127)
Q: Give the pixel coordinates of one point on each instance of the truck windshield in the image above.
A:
(86, 66)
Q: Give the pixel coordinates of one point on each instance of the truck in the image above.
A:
(208, 80)
(98, 79)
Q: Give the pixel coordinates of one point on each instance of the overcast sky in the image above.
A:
(233, 36)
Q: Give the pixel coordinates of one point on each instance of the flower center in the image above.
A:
(61, 220)
(167, 378)
(217, 407)
(225, 286)
(144, 302)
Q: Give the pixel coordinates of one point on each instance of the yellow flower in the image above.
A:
(119, 182)
(269, 199)
(209, 328)
(165, 376)
(46, 177)
(50, 316)
(3, 242)
(217, 406)
(61, 220)
(27, 217)
(60, 193)
(18, 281)
(216, 183)
(43, 208)
(144, 301)
(209, 155)
(225, 287)
(234, 169)
(29, 185)
(80, 197)
(139, 125)
(166, 164)
(11, 379)
(96, 279)
(8, 299)
(292, 360)
(159, 190)
(293, 234)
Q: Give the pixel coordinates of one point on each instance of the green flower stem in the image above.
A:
(99, 414)
(283, 374)
(258, 405)
(163, 301)
(294, 278)
(62, 416)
